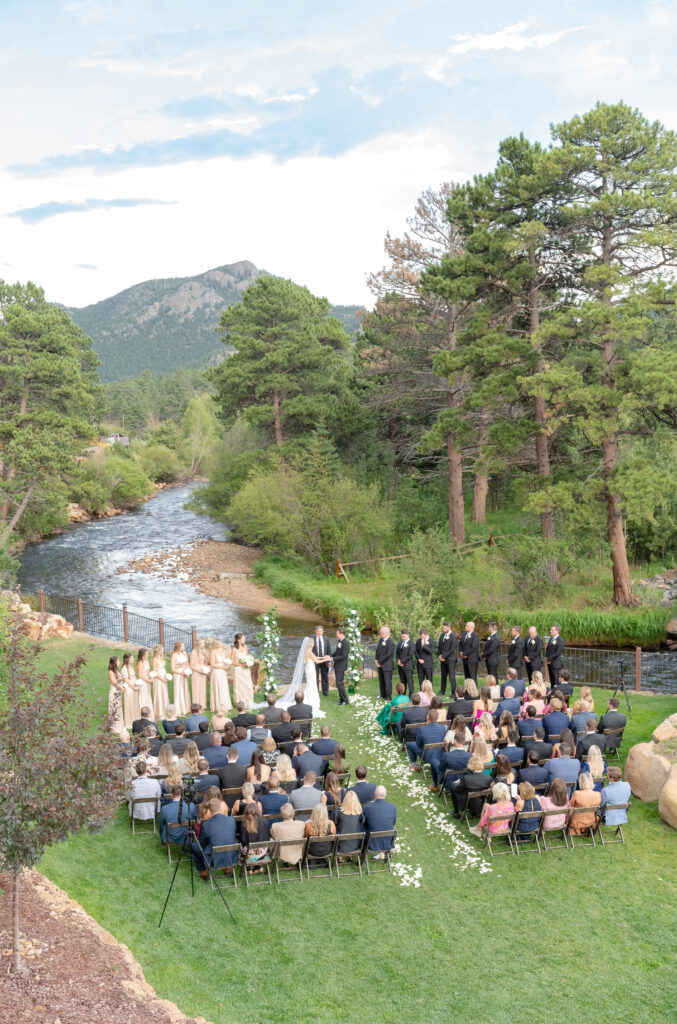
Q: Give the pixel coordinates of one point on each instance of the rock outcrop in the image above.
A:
(38, 625)
(651, 769)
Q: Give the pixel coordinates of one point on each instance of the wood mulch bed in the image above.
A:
(74, 971)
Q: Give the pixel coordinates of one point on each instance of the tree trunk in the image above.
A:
(619, 558)
(479, 498)
(542, 454)
(16, 946)
(456, 507)
(278, 418)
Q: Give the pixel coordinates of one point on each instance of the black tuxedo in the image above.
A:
(447, 646)
(410, 716)
(533, 650)
(321, 647)
(405, 654)
(424, 651)
(340, 657)
(469, 649)
(491, 654)
(553, 657)
(300, 711)
(460, 706)
(516, 653)
(385, 656)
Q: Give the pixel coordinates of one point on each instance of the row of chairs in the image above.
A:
(545, 834)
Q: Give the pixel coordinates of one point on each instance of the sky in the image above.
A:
(156, 139)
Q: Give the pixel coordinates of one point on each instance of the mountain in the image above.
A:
(169, 323)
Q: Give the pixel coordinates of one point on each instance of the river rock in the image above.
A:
(667, 801)
(664, 732)
(646, 771)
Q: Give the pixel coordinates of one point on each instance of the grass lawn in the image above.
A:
(568, 935)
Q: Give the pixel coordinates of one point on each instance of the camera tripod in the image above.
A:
(620, 687)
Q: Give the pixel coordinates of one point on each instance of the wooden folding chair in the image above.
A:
(522, 840)
(394, 726)
(589, 830)
(252, 866)
(603, 828)
(541, 787)
(423, 762)
(613, 749)
(481, 794)
(554, 737)
(175, 826)
(311, 854)
(304, 725)
(231, 795)
(489, 838)
(281, 864)
(409, 730)
(344, 778)
(354, 855)
(544, 830)
(229, 870)
(136, 802)
(379, 855)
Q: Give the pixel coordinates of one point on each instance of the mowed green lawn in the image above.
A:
(567, 936)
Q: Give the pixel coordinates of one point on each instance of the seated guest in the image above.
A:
(272, 797)
(304, 760)
(245, 748)
(192, 721)
(286, 774)
(506, 724)
(451, 761)
(470, 691)
(248, 797)
(169, 723)
(513, 751)
(287, 828)
(484, 752)
(590, 738)
(166, 759)
(528, 725)
(363, 790)
(483, 706)
(595, 765)
(584, 796)
(325, 745)
(258, 771)
(220, 719)
(214, 793)
(457, 725)
(154, 738)
(232, 774)
(270, 751)
(399, 700)
(527, 801)
(508, 702)
(204, 737)
(486, 730)
(432, 732)
(412, 715)
(259, 732)
(504, 775)
(216, 829)
(472, 782)
(178, 741)
(142, 754)
(513, 681)
(319, 825)
(533, 773)
(379, 816)
(142, 723)
(142, 787)
(243, 719)
(254, 830)
(501, 804)
(564, 767)
(333, 792)
(494, 688)
(611, 719)
(348, 819)
(568, 741)
(282, 731)
(580, 718)
(169, 815)
(617, 792)
(531, 699)
(216, 754)
(271, 713)
(339, 760)
(563, 686)
(427, 693)
(203, 780)
(586, 695)
(555, 720)
(191, 756)
(300, 711)
(460, 706)
(306, 796)
(229, 737)
(174, 778)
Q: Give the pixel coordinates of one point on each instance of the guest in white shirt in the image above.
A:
(141, 787)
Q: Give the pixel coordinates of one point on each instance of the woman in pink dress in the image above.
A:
(243, 688)
(200, 668)
(180, 670)
(556, 800)
(219, 694)
(143, 675)
(160, 685)
(133, 687)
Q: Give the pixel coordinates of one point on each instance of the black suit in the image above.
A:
(553, 657)
(405, 653)
(469, 649)
(542, 748)
(462, 792)
(447, 646)
(424, 651)
(139, 724)
(533, 650)
(491, 654)
(272, 715)
(410, 716)
(300, 711)
(587, 740)
(460, 706)
(321, 647)
(203, 740)
(385, 655)
(340, 657)
(244, 721)
(516, 653)
(282, 732)
(232, 775)
(612, 720)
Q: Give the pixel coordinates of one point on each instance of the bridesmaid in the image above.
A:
(180, 671)
(144, 677)
(116, 688)
(243, 688)
(219, 694)
(200, 670)
(131, 699)
(160, 686)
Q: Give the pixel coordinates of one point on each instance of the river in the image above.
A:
(82, 562)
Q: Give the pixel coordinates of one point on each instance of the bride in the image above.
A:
(305, 679)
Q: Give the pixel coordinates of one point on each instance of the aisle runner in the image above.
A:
(384, 761)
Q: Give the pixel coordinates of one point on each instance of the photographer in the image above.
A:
(169, 815)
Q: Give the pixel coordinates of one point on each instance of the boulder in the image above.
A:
(667, 801)
(646, 771)
(664, 732)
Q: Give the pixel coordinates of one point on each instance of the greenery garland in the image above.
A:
(268, 639)
(356, 654)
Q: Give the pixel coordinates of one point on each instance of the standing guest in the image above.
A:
(512, 680)
(272, 797)
(320, 825)
(192, 721)
(482, 706)
(258, 733)
(553, 654)
(383, 659)
(140, 788)
(199, 667)
(286, 773)
(363, 790)
(404, 655)
(270, 751)
(617, 792)
(219, 694)
(528, 802)
(340, 656)
(447, 648)
(516, 650)
(322, 651)
(258, 771)
(232, 775)
(271, 712)
(204, 737)
(492, 649)
(412, 715)
(300, 711)
(169, 815)
(243, 687)
(469, 649)
(143, 675)
(384, 716)
(424, 656)
(169, 722)
(160, 683)
(379, 816)
(116, 688)
(287, 829)
(132, 707)
(427, 693)
(556, 799)
(348, 821)
(533, 652)
(180, 671)
(584, 796)
(502, 804)
(325, 745)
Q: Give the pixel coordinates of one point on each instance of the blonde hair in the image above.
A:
(586, 781)
(174, 776)
(158, 650)
(269, 744)
(191, 756)
(427, 687)
(486, 722)
(247, 792)
(481, 750)
(165, 757)
(595, 761)
(284, 769)
(351, 803)
(319, 821)
(178, 645)
(476, 764)
(471, 688)
(526, 791)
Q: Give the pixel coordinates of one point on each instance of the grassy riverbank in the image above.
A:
(363, 950)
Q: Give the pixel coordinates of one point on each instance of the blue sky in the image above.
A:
(164, 138)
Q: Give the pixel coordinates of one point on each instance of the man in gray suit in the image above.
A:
(306, 797)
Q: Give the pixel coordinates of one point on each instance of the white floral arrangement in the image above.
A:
(169, 676)
(356, 652)
(187, 671)
(153, 675)
(206, 669)
(228, 661)
(269, 645)
(246, 660)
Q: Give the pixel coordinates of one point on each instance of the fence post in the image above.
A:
(638, 669)
(81, 616)
(193, 630)
(161, 630)
(125, 627)
(42, 601)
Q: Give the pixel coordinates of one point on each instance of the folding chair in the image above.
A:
(409, 730)
(554, 738)
(544, 830)
(613, 749)
(175, 826)
(524, 843)
(344, 778)
(369, 852)
(251, 866)
(425, 764)
(541, 787)
(231, 795)
(589, 830)
(304, 725)
(229, 870)
(443, 785)
(281, 864)
(311, 853)
(355, 855)
(490, 838)
(617, 829)
(484, 794)
(136, 802)
(393, 726)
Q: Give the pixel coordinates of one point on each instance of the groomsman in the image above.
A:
(424, 657)
(533, 652)
(469, 649)
(321, 649)
(384, 660)
(447, 646)
(492, 650)
(516, 651)
(340, 659)
(553, 654)
(405, 660)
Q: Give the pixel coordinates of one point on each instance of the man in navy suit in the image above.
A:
(534, 772)
(564, 767)
(528, 725)
(192, 721)
(509, 703)
(432, 732)
(325, 745)
(533, 652)
(169, 815)
(363, 790)
(447, 646)
(553, 654)
(305, 761)
(454, 760)
(492, 650)
(412, 715)
(245, 748)
(219, 830)
(516, 649)
(384, 659)
(379, 817)
(512, 750)
(555, 720)
(203, 780)
(469, 649)
(512, 680)
(579, 721)
(217, 754)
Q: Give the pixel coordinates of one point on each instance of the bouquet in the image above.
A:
(153, 675)
(187, 671)
(169, 676)
(206, 669)
(246, 660)
(228, 661)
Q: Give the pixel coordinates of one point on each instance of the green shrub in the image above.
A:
(125, 481)
(159, 463)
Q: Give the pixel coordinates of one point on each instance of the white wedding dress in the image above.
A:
(304, 678)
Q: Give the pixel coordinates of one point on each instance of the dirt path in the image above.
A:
(75, 971)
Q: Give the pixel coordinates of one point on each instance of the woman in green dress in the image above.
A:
(400, 700)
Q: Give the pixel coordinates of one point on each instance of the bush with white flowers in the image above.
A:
(356, 654)
(268, 639)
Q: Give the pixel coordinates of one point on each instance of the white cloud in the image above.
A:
(512, 37)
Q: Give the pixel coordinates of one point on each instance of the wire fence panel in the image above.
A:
(67, 607)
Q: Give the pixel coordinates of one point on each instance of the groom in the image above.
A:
(340, 657)
(321, 649)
